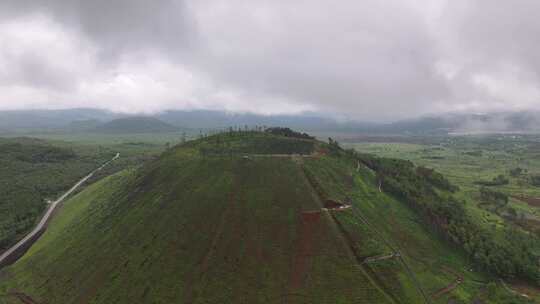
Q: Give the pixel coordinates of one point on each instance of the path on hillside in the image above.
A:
(513, 291)
(398, 254)
(378, 258)
(459, 279)
(9, 256)
(346, 237)
(448, 288)
(22, 297)
(281, 155)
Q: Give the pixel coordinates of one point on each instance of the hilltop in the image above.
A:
(252, 217)
(135, 124)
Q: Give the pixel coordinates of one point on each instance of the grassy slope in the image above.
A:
(429, 257)
(194, 230)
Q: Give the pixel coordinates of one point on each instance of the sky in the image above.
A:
(366, 60)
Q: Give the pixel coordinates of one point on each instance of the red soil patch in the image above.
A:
(531, 201)
(447, 289)
(531, 225)
(452, 286)
(320, 153)
(24, 298)
(309, 222)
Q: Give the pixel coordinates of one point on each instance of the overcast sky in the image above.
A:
(370, 59)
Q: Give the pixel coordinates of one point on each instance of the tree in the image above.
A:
(516, 172)
(183, 137)
(535, 180)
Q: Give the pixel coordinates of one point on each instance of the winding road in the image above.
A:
(43, 222)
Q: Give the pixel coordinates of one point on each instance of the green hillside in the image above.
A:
(243, 217)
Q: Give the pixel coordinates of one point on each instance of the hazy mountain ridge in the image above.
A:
(135, 124)
(88, 120)
(48, 120)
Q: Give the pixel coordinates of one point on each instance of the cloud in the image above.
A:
(334, 57)
(489, 47)
(367, 60)
(117, 26)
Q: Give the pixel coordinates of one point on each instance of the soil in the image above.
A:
(24, 298)
(452, 286)
(447, 289)
(531, 201)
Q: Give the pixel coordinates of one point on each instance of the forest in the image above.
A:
(507, 252)
(32, 172)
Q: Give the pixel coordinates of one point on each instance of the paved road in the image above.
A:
(41, 225)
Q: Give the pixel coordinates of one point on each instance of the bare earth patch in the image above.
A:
(309, 223)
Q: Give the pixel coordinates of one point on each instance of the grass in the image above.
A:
(192, 229)
(452, 159)
(465, 160)
(427, 255)
(40, 168)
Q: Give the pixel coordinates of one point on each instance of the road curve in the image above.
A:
(41, 225)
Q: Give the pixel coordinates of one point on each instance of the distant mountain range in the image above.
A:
(136, 124)
(503, 122)
(50, 120)
(100, 121)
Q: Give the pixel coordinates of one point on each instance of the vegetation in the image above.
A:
(535, 180)
(229, 229)
(499, 180)
(32, 172)
(36, 170)
(509, 257)
(492, 197)
(380, 224)
(200, 224)
(506, 215)
(516, 172)
(252, 142)
(288, 133)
